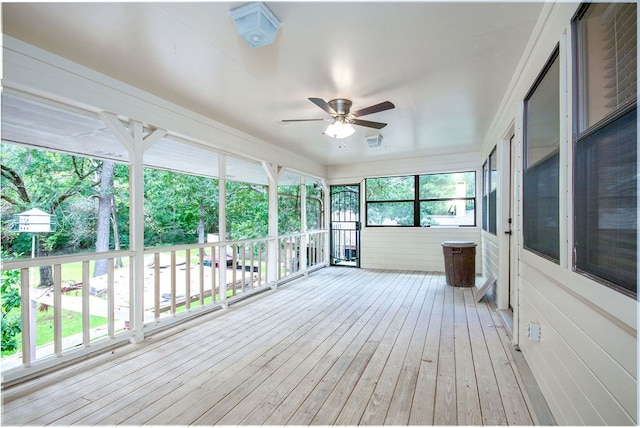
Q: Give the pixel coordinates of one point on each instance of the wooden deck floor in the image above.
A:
(342, 346)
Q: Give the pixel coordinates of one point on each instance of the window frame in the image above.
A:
(548, 159)
(417, 200)
(489, 192)
(582, 142)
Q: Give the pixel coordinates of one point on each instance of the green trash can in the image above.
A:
(460, 263)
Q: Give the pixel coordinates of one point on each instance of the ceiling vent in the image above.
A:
(374, 141)
(255, 23)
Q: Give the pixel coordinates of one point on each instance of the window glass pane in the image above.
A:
(493, 161)
(390, 188)
(541, 176)
(390, 213)
(492, 211)
(455, 185)
(485, 178)
(540, 209)
(608, 66)
(485, 211)
(542, 117)
(606, 199)
(447, 213)
(493, 180)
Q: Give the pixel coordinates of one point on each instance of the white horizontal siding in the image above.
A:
(411, 248)
(355, 173)
(490, 254)
(586, 358)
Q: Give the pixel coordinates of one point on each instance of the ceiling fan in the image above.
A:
(342, 118)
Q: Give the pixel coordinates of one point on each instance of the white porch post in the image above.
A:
(222, 228)
(327, 222)
(303, 224)
(273, 173)
(136, 143)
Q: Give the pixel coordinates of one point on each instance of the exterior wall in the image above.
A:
(490, 255)
(411, 248)
(586, 360)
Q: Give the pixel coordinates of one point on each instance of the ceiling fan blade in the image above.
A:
(386, 105)
(323, 105)
(304, 120)
(368, 123)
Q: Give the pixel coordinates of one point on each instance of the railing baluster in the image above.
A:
(201, 270)
(253, 249)
(131, 285)
(111, 318)
(266, 262)
(213, 273)
(28, 331)
(86, 325)
(187, 279)
(234, 266)
(244, 266)
(156, 285)
(57, 309)
(173, 282)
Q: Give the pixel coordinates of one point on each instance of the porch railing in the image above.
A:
(294, 260)
(81, 314)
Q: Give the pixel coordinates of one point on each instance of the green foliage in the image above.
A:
(179, 208)
(390, 188)
(11, 321)
(247, 210)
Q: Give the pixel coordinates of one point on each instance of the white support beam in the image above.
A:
(327, 219)
(304, 244)
(273, 173)
(222, 229)
(133, 138)
(120, 131)
(155, 136)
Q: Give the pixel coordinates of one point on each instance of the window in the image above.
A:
(425, 200)
(489, 191)
(448, 199)
(485, 195)
(391, 201)
(605, 145)
(541, 168)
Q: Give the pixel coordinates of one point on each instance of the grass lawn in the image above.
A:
(71, 324)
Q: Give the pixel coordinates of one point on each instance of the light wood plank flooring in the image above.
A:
(340, 347)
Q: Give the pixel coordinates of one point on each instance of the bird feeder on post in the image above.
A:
(34, 221)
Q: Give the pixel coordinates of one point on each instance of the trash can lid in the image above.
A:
(459, 244)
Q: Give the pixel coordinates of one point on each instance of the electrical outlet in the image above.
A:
(534, 332)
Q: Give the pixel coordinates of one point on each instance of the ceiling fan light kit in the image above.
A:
(339, 129)
(255, 23)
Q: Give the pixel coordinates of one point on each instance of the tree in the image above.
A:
(11, 322)
(105, 210)
(46, 180)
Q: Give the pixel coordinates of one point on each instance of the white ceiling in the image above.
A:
(445, 65)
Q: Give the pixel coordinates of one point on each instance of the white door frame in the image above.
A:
(507, 232)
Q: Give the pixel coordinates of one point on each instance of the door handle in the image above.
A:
(507, 232)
